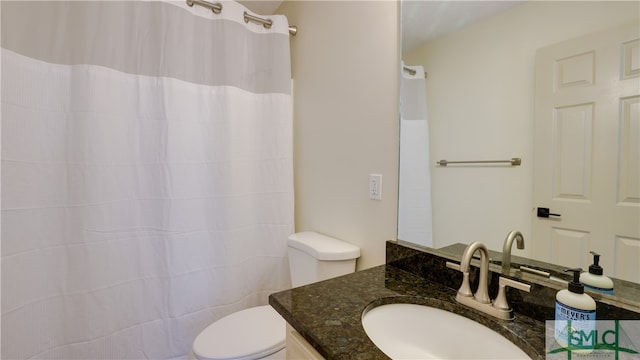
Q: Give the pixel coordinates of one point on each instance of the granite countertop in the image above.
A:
(328, 313)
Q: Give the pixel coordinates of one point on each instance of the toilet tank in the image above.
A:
(315, 257)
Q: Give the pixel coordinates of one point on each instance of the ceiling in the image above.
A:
(422, 20)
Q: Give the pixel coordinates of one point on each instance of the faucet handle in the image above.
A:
(453, 266)
(465, 288)
(503, 282)
(501, 303)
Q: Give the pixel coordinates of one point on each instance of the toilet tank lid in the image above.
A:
(323, 247)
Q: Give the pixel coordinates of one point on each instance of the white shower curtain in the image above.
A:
(147, 174)
(414, 198)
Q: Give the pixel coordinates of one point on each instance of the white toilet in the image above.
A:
(259, 332)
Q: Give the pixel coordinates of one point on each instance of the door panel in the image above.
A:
(568, 244)
(587, 152)
(572, 146)
(629, 176)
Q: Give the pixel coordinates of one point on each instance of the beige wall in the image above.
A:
(480, 94)
(345, 61)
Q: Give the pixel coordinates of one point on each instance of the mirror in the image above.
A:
(480, 103)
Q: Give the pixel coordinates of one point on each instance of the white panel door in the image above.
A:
(587, 152)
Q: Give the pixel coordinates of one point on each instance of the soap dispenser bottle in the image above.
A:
(594, 280)
(575, 311)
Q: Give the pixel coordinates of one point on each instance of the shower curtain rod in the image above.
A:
(217, 9)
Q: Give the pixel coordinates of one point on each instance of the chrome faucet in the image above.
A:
(480, 300)
(506, 249)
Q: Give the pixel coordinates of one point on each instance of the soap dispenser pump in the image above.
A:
(594, 279)
(575, 310)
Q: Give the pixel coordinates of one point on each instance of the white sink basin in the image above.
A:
(409, 331)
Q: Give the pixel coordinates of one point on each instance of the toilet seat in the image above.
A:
(247, 334)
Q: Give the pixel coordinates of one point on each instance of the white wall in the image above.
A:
(345, 62)
(480, 94)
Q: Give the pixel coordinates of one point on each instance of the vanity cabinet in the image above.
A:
(299, 348)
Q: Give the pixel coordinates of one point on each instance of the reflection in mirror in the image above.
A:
(414, 195)
(480, 96)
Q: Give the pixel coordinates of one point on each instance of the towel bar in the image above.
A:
(513, 162)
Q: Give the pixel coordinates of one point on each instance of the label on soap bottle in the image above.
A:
(604, 291)
(574, 326)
